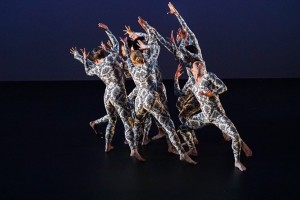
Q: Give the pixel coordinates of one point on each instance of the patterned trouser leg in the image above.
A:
(147, 124)
(102, 120)
(224, 124)
(112, 120)
(163, 99)
(120, 106)
(187, 109)
(227, 127)
(151, 103)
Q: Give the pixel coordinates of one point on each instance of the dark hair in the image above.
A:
(129, 42)
(135, 42)
(191, 48)
(96, 53)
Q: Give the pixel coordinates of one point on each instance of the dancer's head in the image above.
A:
(194, 50)
(96, 54)
(198, 68)
(191, 48)
(136, 57)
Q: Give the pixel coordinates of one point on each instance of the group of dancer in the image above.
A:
(198, 101)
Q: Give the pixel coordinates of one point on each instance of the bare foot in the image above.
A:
(159, 135)
(186, 158)
(135, 154)
(108, 148)
(92, 125)
(192, 152)
(146, 140)
(240, 166)
(196, 142)
(171, 149)
(226, 137)
(246, 149)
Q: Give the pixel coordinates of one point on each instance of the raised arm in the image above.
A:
(90, 68)
(154, 50)
(178, 73)
(79, 57)
(184, 25)
(171, 47)
(126, 50)
(113, 39)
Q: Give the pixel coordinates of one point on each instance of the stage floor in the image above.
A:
(48, 150)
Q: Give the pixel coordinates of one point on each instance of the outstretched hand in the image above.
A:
(109, 44)
(142, 22)
(142, 45)
(181, 34)
(73, 50)
(172, 9)
(127, 30)
(207, 93)
(123, 40)
(84, 53)
(178, 72)
(103, 46)
(103, 26)
(171, 38)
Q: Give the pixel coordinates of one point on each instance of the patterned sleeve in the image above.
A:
(113, 40)
(140, 34)
(154, 53)
(187, 53)
(191, 35)
(220, 87)
(133, 94)
(177, 90)
(168, 45)
(79, 57)
(128, 62)
(90, 68)
(124, 66)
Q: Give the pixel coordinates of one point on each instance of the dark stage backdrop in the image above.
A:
(239, 39)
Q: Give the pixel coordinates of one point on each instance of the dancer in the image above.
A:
(115, 97)
(152, 43)
(207, 87)
(186, 104)
(148, 99)
(189, 41)
(133, 93)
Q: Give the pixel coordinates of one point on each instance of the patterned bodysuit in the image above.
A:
(148, 99)
(115, 97)
(131, 97)
(161, 89)
(187, 104)
(212, 111)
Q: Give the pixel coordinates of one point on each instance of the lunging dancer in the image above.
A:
(207, 87)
